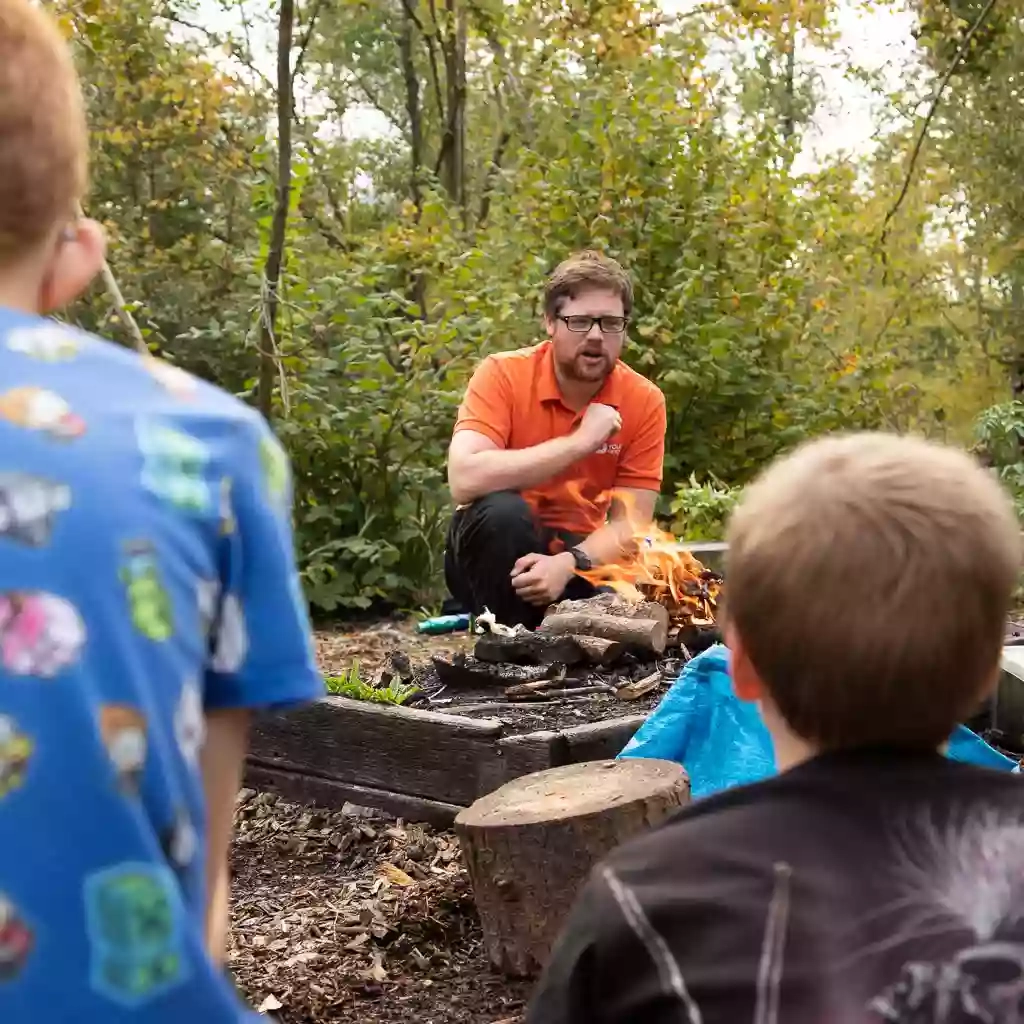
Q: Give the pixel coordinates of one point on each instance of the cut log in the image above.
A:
(531, 845)
(614, 604)
(529, 648)
(599, 651)
(468, 673)
(649, 634)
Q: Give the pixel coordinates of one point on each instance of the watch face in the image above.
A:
(582, 561)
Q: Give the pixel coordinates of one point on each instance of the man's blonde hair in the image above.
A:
(869, 578)
(43, 142)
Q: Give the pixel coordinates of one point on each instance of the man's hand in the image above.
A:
(540, 579)
(598, 424)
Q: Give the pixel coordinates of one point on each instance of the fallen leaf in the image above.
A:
(376, 971)
(270, 1004)
(397, 875)
(302, 958)
(360, 940)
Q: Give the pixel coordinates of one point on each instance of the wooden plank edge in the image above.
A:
(484, 727)
(303, 788)
(596, 741)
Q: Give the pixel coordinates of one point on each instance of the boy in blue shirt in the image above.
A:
(149, 602)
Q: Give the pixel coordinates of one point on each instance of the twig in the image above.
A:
(114, 291)
(954, 64)
(304, 45)
(576, 691)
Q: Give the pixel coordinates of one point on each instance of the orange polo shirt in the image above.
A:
(514, 399)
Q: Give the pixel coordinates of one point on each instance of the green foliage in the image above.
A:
(701, 510)
(1000, 435)
(350, 685)
(767, 309)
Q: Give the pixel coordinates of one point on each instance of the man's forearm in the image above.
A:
(609, 543)
(501, 469)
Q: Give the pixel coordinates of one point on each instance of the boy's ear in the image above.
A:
(745, 681)
(77, 258)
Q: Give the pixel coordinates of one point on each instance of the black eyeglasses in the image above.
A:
(606, 324)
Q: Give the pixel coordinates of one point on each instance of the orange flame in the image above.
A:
(655, 567)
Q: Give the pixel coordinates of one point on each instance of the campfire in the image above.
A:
(655, 609)
(656, 568)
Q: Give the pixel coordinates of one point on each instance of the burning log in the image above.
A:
(647, 634)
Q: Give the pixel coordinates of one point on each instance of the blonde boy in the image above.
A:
(148, 602)
(869, 579)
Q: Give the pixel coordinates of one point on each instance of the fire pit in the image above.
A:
(574, 690)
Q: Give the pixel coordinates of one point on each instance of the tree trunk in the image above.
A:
(412, 106)
(531, 845)
(275, 252)
(452, 157)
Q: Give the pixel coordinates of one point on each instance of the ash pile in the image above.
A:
(606, 656)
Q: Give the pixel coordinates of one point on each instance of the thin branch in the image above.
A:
(214, 39)
(954, 64)
(431, 39)
(117, 298)
(304, 45)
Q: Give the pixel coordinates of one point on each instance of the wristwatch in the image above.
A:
(583, 561)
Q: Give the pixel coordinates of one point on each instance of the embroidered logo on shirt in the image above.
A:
(123, 729)
(28, 507)
(609, 449)
(40, 634)
(148, 599)
(48, 342)
(16, 940)
(15, 750)
(175, 466)
(136, 933)
(38, 409)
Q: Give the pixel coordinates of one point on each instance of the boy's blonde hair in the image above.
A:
(43, 141)
(869, 578)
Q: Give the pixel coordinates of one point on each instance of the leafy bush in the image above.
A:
(700, 510)
(1000, 434)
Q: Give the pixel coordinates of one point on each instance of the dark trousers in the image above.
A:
(485, 540)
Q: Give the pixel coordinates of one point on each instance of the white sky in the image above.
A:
(873, 35)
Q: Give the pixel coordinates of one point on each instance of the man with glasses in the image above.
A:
(543, 438)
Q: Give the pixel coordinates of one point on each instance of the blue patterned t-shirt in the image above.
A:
(147, 575)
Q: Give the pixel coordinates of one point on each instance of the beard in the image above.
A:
(588, 366)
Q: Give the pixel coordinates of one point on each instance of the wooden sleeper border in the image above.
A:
(419, 765)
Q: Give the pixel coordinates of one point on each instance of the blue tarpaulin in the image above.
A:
(721, 741)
